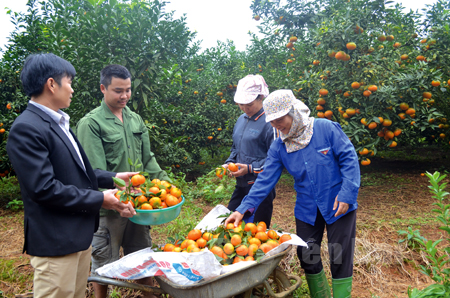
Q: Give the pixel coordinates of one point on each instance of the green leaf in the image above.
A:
(119, 182)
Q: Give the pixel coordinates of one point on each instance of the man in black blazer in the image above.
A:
(58, 185)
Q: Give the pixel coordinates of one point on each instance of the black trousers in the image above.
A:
(264, 210)
(341, 245)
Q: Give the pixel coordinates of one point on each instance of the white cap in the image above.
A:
(249, 88)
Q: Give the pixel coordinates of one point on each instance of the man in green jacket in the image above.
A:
(111, 134)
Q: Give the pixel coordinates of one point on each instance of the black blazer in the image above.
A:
(61, 198)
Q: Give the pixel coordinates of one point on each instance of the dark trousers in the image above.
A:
(341, 245)
(264, 210)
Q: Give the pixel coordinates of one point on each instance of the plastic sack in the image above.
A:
(180, 268)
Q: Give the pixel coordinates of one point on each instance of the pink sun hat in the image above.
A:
(279, 103)
(249, 88)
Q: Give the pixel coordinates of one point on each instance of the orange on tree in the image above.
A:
(355, 85)
(435, 83)
(397, 132)
(328, 114)
(404, 106)
(387, 122)
(293, 38)
(364, 151)
(410, 111)
(365, 162)
(427, 94)
(323, 92)
(351, 46)
(373, 88)
(321, 101)
(393, 144)
(372, 125)
(367, 93)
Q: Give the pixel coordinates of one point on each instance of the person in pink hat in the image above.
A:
(252, 137)
(324, 164)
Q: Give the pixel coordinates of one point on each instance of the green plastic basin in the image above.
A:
(157, 216)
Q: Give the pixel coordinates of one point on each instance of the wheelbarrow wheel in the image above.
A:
(277, 285)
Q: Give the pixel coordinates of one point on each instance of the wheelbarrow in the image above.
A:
(256, 280)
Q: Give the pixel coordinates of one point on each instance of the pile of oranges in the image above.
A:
(247, 242)
(149, 195)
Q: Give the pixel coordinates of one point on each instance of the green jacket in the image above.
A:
(109, 143)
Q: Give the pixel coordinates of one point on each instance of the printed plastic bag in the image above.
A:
(180, 268)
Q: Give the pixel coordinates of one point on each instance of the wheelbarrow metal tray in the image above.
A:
(225, 285)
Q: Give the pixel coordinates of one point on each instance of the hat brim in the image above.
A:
(246, 99)
(271, 117)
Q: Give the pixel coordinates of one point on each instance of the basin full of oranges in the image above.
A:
(246, 242)
(156, 202)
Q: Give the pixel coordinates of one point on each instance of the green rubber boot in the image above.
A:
(342, 287)
(318, 285)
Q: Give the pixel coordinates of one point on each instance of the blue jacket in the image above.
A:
(252, 137)
(326, 168)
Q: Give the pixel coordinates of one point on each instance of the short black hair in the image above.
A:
(113, 71)
(38, 68)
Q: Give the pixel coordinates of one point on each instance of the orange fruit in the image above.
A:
(252, 248)
(169, 247)
(194, 234)
(262, 236)
(381, 37)
(171, 200)
(236, 240)
(273, 243)
(207, 236)
(285, 237)
(397, 132)
(340, 55)
(427, 94)
(146, 206)
(230, 226)
(347, 94)
(155, 202)
(254, 240)
(249, 258)
(329, 114)
(365, 151)
(228, 248)
(242, 250)
(250, 227)
(142, 199)
(402, 116)
(387, 122)
(410, 111)
(237, 260)
(351, 46)
(367, 93)
(166, 184)
(323, 92)
(365, 162)
(156, 181)
(321, 101)
(393, 144)
(350, 112)
(201, 242)
(163, 205)
(153, 189)
(265, 247)
(373, 88)
(372, 125)
(232, 167)
(262, 224)
(272, 234)
(217, 251)
(163, 194)
(364, 121)
(390, 37)
(175, 191)
(356, 85)
(404, 57)
(137, 180)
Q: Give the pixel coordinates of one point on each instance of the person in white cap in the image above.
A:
(324, 164)
(252, 137)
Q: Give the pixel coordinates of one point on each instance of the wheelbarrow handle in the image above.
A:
(125, 284)
(288, 291)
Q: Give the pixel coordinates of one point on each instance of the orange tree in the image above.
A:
(361, 64)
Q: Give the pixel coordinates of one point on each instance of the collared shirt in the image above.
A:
(326, 168)
(62, 119)
(109, 143)
(252, 137)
